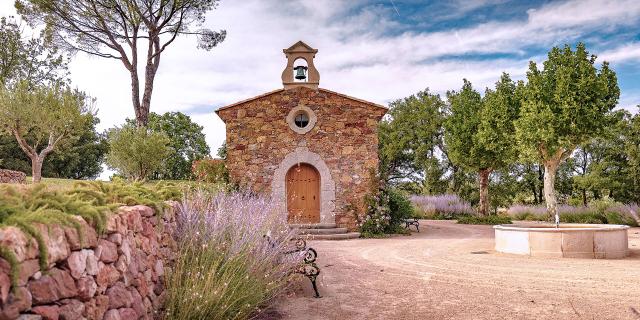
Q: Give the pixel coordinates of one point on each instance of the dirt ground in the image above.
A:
(450, 271)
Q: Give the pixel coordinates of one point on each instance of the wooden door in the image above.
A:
(303, 194)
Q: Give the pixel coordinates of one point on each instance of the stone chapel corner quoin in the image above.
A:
(313, 150)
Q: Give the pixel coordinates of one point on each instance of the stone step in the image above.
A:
(322, 231)
(338, 236)
(312, 225)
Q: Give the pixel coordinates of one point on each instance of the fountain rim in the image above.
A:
(572, 227)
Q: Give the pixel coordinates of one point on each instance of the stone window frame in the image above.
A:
(291, 119)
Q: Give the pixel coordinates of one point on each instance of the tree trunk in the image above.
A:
(135, 98)
(36, 168)
(153, 62)
(483, 179)
(541, 185)
(584, 197)
(550, 169)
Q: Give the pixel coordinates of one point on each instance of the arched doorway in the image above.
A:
(303, 194)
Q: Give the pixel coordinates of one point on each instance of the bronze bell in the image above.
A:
(300, 72)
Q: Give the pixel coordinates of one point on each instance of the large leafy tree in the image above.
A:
(564, 105)
(409, 139)
(50, 115)
(186, 142)
(121, 29)
(479, 131)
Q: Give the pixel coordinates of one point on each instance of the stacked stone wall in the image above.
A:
(345, 137)
(10, 176)
(116, 275)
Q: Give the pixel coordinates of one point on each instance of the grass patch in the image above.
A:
(488, 220)
(588, 217)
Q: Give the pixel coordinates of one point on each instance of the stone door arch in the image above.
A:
(303, 194)
(327, 185)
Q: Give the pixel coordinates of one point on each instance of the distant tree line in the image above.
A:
(554, 135)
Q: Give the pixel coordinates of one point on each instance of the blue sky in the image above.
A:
(378, 50)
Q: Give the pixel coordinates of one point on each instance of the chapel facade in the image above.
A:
(313, 150)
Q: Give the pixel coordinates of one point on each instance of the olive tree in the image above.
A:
(121, 29)
(136, 152)
(479, 131)
(564, 104)
(49, 115)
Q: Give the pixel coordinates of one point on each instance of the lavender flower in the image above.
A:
(445, 204)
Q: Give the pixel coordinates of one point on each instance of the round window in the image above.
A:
(302, 119)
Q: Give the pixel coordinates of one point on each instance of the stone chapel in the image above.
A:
(310, 148)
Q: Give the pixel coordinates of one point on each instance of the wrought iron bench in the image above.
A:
(309, 268)
(412, 222)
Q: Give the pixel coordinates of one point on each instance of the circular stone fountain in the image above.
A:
(599, 241)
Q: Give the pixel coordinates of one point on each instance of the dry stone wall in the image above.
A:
(117, 275)
(10, 176)
(345, 137)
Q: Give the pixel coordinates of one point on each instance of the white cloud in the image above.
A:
(358, 54)
(625, 53)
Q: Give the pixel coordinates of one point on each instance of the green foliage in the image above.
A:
(377, 218)
(409, 138)
(32, 60)
(211, 171)
(136, 152)
(490, 219)
(565, 103)
(399, 205)
(222, 151)
(186, 142)
(14, 266)
(385, 209)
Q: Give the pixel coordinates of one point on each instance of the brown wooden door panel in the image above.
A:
(303, 194)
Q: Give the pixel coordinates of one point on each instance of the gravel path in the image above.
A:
(450, 271)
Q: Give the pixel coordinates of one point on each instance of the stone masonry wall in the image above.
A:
(10, 176)
(118, 275)
(345, 136)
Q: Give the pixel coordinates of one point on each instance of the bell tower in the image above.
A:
(300, 70)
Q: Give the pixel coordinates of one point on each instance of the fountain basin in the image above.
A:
(595, 241)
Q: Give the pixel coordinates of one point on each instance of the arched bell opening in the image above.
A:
(303, 194)
(300, 70)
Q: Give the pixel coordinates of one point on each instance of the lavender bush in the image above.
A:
(230, 261)
(611, 213)
(447, 206)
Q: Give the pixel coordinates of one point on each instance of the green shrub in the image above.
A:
(136, 152)
(399, 205)
(377, 218)
(210, 171)
(490, 219)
